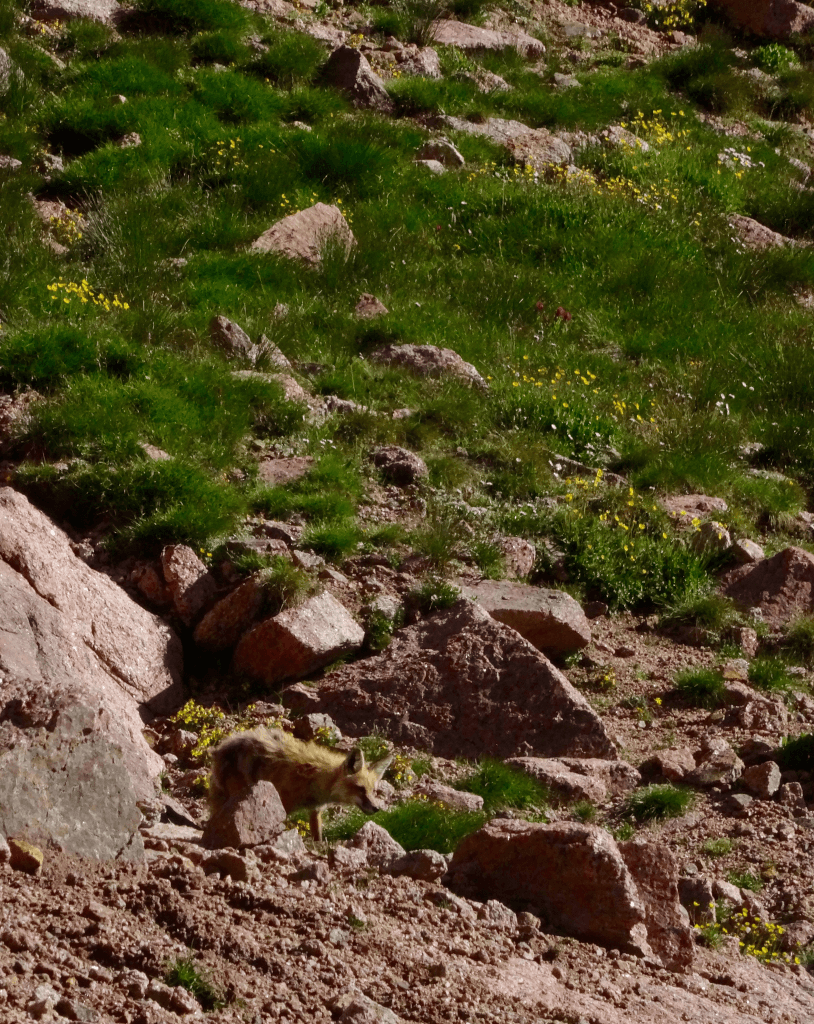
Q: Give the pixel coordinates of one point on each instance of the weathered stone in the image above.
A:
(498, 916)
(191, 584)
(68, 786)
(69, 635)
(441, 150)
(429, 361)
(349, 71)
(781, 586)
(434, 166)
(225, 623)
(425, 865)
(686, 507)
(673, 764)
(356, 1008)
(594, 897)
(761, 780)
(5, 850)
(717, 764)
(310, 726)
(8, 164)
(345, 858)
(368, 307)
(574, 778)
(550, 619)
(747, 552)
(422, 63)
(399, 466)
(463, 685)
(305, 235)
(726, 892)
(655, 871)
(298, 641)
(529, 147)
(772, 19)
(756, 236)
(25, 856)
(276, 472)
(227, 863)
(711, 538)
(519, 556)
(791, 796)
(229, 337)
(797, 935)
(104, 11)
(738, 804)
(247, 819)
(472, 39)
(379, 846)
(456, 799)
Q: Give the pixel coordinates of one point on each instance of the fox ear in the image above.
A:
(355, 761)
(380, 767)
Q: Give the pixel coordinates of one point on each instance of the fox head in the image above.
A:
(357, 781)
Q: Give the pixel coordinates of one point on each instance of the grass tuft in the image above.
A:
(701, 687)
(416, 824)
(656, 803)
(502, 786)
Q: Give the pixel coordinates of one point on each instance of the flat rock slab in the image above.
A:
(429, 361)
(782, 586)
(550, 619)
(574, 874)
(305, 235)
(69, 635)
(771, 19)
(534, 147)
(278, 472)
(104, 11)
(298, 641)
(461, 684)
(472, 39)
(586, 778)
(68, 787)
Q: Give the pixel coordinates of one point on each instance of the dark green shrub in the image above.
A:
(292, 58)
(187, 16)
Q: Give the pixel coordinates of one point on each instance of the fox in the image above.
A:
(305, 774)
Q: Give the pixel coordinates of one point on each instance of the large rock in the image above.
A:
(550, 619)
(533, 147)
(761, 780)
(298, 641)
(105, 11)
(225, 623)
(782, 586)
(191, 585)
(580, 778)
(472, 39)
(573, 874)
(756, 236)
(247, 819)
(67, 786)
(428, 361)
(655, 871)
(305, 235)
(400, 466)
(772, 19)
(349, 71)
(69, 635)
(463, 685)
(716, 765)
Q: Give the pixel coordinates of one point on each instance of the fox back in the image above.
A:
(306, 775)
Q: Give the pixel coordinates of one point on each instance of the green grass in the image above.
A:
(502, 786)
(433, 595)
(797, 753)
(701, 687)
(799, 641)
(656, 803)
(718, 847)
(187, 973)
(745, 880)
(771, 675)
(416, 824)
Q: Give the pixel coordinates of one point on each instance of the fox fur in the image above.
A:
(306, 775)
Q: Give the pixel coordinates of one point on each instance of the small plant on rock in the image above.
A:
(584, 811)
(770, 675)
(745, 880)
(434, 594)
(655, 803)
(184, 972)
(717, 847)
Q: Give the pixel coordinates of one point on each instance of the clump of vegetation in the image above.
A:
(417, 824)
(799, 641)
(584, 811)
(434, 594)
(745, 880)
(701, 687)
(770, 675)
(502, 786)
(187, 973)
(719, 847)
(655, 803)
(797, 753)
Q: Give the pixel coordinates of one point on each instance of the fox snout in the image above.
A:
(370, 806)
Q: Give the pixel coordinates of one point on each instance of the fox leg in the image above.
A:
(316, 825)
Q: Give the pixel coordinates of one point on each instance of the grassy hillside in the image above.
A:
(615, 317)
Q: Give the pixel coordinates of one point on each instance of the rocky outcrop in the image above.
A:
(573, 874)
(298, 641)
(462, 685)
(349, 71)
(580, 778)
(756, 236)
(772, 19)
(104, 11)
(305, 235)
(550, 619)
(782, 586)
(472, 39)
(400, 466)
(67, 786)
(534, 147)
(69, 636)
(429, 361)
